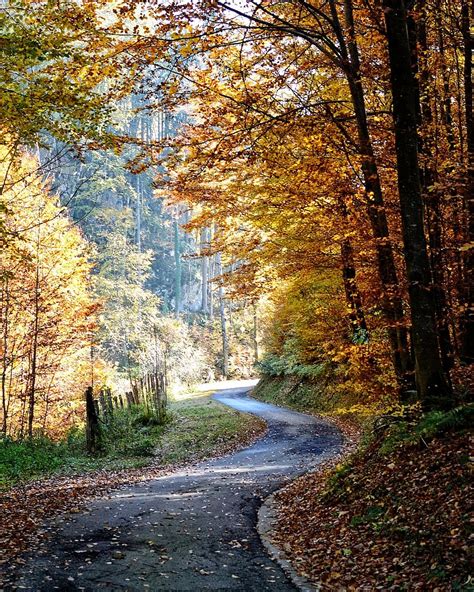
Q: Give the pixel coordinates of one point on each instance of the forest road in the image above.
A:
(190, 530)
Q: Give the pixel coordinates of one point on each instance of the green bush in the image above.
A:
(131, 432)
(430, 425)
(147, 417)
(32, 457)
(142, 446)
(273, 365)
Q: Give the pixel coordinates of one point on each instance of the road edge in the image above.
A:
(266, 518)
(268, 512)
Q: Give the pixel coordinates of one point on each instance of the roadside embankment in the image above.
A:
(312, 395)
(393, 515)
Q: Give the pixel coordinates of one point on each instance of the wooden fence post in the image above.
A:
(103, 403)
(96, 407)
(165, 390)
(92, 423)
(135, 393)
(108, 401)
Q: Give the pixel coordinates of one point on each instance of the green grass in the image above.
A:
(196, 427)
(200, 426)
(127, 442)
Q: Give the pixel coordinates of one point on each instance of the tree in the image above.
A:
(130, 311)
(324, 39)
(47, 314)
(433, 387)
(467, 321)
(55, 61)
(222, 313)
(277, 70)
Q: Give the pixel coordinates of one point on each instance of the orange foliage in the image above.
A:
(47, 314)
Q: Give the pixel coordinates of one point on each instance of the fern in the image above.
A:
(435, 423)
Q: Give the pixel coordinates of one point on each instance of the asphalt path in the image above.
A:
(191, 530)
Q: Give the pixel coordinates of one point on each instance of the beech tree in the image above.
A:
(433, 386)
(322, 71)
(47, 313)
(467, 322)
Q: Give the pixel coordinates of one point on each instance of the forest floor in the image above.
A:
(192, 529)
(397, 516)
(394, 515)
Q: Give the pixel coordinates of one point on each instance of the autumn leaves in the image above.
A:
(294, 154)
(353, 224)
(46, 310)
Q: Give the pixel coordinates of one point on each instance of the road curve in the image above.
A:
(191, 530)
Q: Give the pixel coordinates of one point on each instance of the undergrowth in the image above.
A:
(127, 439)
(273, 365)
(194, 428)
(421, 429)
(410, 432)
(314, 389)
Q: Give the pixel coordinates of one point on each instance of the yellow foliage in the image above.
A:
(47, 314)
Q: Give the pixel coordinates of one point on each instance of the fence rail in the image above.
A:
(150, 391)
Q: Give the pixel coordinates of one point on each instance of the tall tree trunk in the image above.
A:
(204, 273)
(359, 331)
(5, 308)
(431, 196)
(177, 268)
(255, 335)
(34, 349)
(139, 237)
(445, 103)
(225, 338)
(92, 423)
(432, 383)
(392, 304)
(212, 273)
(357, 320)
(467, 291)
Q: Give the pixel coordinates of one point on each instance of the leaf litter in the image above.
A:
(391, 522)
(30, 511)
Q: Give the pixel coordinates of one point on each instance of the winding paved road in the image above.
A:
(192, 530)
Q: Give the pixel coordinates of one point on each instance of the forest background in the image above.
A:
(182, 184)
